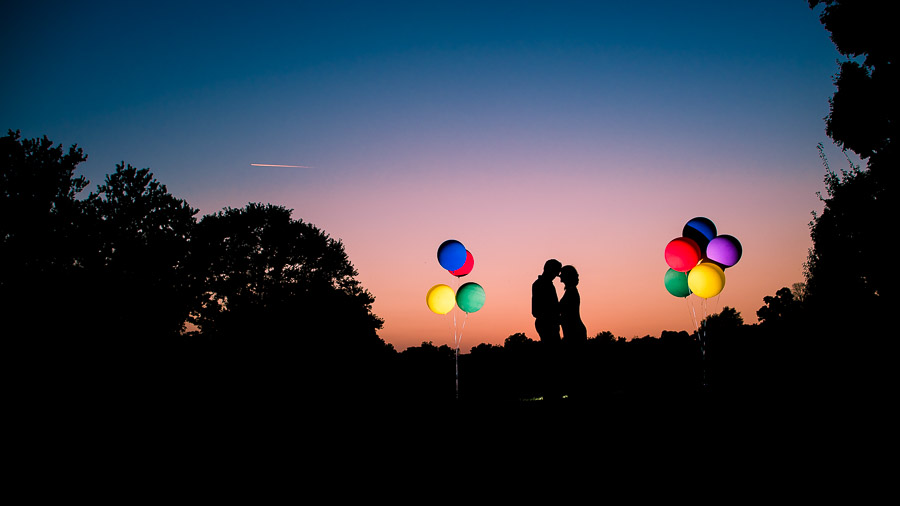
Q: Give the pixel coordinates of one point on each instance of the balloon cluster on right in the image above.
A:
(697, 260)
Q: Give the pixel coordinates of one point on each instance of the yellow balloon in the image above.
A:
(440, 299)
(706, 280)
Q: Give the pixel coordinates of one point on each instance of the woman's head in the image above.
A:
(568, 275)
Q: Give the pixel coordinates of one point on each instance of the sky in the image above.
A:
(590, 132)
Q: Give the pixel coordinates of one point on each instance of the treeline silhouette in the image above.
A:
(124, 296)
(725, 360)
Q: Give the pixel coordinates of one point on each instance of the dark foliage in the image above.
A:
(42, 221)
(426, 375)
(850, 285)
(596, 371)
(139, 235)
(850, 242)
(97, 293)
(42, 252)
(283, 298)
(864, 107)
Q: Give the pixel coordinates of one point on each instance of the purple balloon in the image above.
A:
(724, 250)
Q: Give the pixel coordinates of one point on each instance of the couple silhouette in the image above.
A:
(552, 314)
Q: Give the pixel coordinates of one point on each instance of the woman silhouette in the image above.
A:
(573, 328)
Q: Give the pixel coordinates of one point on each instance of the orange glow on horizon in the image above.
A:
(615, 238)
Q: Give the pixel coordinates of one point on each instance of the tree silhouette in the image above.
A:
(680, 371)
(42, 251)
(40, 244)
(607, 370)
(96, 292)
(284, 298)
(525, 371)
(139, 264)
(850, 246)
(605, 336)
(517, 340)
(726, 350)
(427, 374)
(257, 266)
(780, 310)
(786, 325)
(850, 289)
(727, 319)
(484, 375)
(863, 115)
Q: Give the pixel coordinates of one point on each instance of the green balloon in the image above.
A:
(470, 297)
(677, 283)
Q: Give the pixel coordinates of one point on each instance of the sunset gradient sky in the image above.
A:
(584, 131)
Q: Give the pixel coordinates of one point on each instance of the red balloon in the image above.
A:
(682, 254)
(466, 268)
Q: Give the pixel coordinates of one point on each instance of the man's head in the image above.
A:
(552, 267)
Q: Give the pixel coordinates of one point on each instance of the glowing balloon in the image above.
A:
(677, 283)
(706, 280)
(466, 268)
(440, 299)
(470, 297)
(724, 250)
(451, 255)
(682, 254)
(701, 230)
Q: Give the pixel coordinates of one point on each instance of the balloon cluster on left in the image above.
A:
(458, 261)
(697, 260)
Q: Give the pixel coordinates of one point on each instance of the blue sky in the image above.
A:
(336, 84)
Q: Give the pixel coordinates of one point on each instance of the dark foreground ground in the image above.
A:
(703, 448)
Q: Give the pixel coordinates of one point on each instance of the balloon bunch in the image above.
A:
(698, 259)
(456, 259)
(441, 299)
(697, 262)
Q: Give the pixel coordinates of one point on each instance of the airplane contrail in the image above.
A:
(273, 165)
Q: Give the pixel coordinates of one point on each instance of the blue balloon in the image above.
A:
(701, 230)
(451, 255)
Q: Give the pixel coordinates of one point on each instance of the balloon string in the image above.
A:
(701, 334)
(454, 323)
(451, 322)
(456, 342)
(694, 318)
(457, 338)
(700, 329)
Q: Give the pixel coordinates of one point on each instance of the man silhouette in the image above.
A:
(545, 309)
(545, 303)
